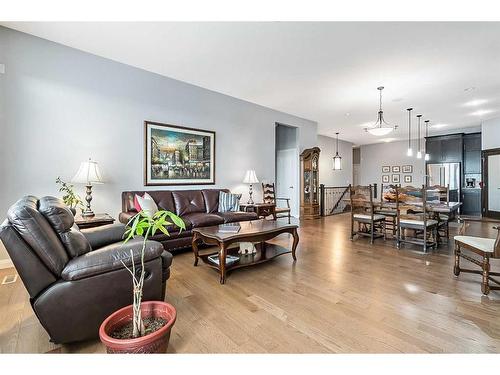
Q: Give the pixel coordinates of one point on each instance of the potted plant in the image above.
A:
(143, 327)
(70, 198)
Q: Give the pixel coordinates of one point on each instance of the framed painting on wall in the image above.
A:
(396, 178)
(408, 179)
(176, 155)
(385, 179)
(386, 169)
(407, 168)
(396, 169)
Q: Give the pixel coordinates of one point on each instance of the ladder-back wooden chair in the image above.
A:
(388, 195)
(413, 217)
(442, 194)
(370, 224)
(486, 248)
(269, 194)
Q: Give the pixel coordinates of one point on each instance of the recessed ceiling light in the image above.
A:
(469, 89)
(475, 102)
(438, 126)
(481, 112)
(387, 140)
(347, 114)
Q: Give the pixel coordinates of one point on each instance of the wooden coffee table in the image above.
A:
(256, 231)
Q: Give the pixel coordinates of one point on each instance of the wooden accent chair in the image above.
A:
(370, 224)
(269, 194)
(484, 247)
(441, 193)
(413, 216)
(387, 195)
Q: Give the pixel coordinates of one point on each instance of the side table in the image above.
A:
(261, 209)
(95, 221)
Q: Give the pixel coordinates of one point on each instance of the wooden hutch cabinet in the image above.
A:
(309, 183)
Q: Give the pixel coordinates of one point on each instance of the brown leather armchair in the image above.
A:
(75, 278)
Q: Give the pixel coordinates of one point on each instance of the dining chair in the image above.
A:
(269, 196)
(388, 195)
(442, 193)
(486, 248)
(413, 217)
(370, 224)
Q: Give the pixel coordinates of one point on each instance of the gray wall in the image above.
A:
(374, 156)
(490, 132)
(327, 175)
(61, 106)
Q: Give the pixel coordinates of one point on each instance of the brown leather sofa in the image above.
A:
(198, 208)
(75, 277)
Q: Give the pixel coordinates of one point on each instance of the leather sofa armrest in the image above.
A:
(104, 235)
(108, 258)
(124, 217)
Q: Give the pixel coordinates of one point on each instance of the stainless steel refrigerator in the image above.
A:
(446, 174)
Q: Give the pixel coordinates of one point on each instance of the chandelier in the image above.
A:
(381, 127)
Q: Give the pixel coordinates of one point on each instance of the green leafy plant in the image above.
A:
(145, 225)
(70, 198)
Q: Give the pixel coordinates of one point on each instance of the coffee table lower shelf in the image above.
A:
(265, 253)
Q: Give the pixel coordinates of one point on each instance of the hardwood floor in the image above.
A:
(339, 297)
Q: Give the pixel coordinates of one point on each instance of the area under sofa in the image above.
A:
(198, 208)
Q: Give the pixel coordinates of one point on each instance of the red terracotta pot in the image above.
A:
(156, 342)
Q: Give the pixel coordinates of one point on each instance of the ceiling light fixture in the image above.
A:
(438, 126)
(337, 160)
(409, 152)
(380, 128)
(481, 112)
(419, 151)
(475, 102)
(426, 157)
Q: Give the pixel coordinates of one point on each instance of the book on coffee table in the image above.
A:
(230, 259)
(229, 228)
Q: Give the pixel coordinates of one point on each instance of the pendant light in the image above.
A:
(419, 150)
(337, 160)
(427, 156)
(381, 127)
(409, 152)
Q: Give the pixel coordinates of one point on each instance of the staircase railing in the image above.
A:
(332, 200)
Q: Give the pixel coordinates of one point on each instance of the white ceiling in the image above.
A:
(327, 72)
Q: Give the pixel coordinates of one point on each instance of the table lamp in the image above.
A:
(250, 178)
(88, 174)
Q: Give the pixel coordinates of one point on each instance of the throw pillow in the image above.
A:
(145, 203)
(229, 202)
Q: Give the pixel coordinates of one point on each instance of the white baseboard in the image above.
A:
(6, 263)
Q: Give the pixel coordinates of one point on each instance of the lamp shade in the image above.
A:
(250, 177)
(88, 173)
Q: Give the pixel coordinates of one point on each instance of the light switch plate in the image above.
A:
(2, 68)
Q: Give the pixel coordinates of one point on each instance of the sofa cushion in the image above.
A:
(34, 228)
(146, 204)
(229, 202)
(188, 201)
(162, 198)
(211, 197)
(232, 217)
(201, 219)
(63, 222)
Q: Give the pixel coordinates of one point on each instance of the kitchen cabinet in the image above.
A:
(472, 153)
(471, 202)
(445, 149)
